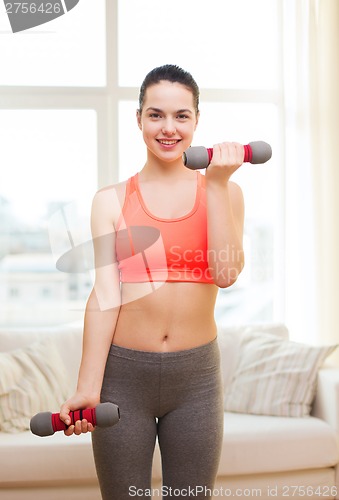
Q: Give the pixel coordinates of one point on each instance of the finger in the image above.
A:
(77, 428)
(227, 153)
(64, 415)
(233, 154)
(216, 153)
(69, 431)
(226, 150)
(240, 152)
(84, 425)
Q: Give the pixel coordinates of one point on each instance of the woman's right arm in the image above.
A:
(102, 311)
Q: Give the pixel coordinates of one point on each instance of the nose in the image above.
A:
(169, 127)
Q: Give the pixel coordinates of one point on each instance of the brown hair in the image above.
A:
(170, 73)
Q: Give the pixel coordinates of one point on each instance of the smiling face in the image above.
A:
(167, 120)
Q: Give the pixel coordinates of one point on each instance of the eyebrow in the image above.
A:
(161, 111)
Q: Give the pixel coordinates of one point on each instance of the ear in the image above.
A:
(138, 115)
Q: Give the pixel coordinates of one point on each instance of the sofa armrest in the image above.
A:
(326, 402)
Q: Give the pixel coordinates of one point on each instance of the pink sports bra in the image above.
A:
(151, 248)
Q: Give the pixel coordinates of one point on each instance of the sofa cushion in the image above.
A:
(67, 338)
(230, 337)
(52, 458)
(274, 376)
(255, 444)
(30, 459)
(33, 379)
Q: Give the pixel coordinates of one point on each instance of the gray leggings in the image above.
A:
(175, 396)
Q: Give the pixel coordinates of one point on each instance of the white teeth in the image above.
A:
(168, 143)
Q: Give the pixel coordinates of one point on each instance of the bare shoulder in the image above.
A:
(108, 202)
(117, 191)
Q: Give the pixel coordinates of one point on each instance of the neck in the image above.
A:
(173, 170)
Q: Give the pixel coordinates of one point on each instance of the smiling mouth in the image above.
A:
(168, 142)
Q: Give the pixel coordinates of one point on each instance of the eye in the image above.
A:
(154, 116)
(182, 117)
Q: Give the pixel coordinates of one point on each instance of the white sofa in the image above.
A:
(262, 456)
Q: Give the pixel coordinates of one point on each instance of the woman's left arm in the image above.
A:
(225, 214)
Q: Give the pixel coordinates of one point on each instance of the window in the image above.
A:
(223, 43)
(68, 51)
(47, 161)
(68, 95)
(235, 59)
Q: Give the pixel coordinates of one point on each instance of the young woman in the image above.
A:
(150, 341)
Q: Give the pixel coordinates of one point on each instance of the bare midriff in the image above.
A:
(164, 317)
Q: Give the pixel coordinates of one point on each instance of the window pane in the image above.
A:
(251, 298)
(223, 43)
(129, 133)
(244, 123)
(48, 166)
(67, 51)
